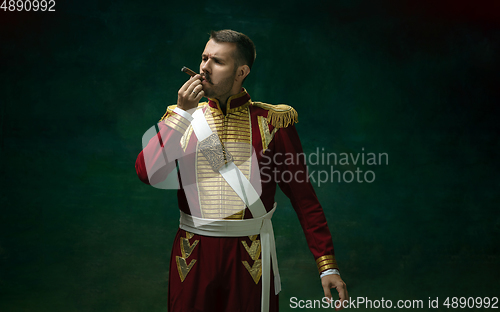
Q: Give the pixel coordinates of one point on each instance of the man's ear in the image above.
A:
(242, 72)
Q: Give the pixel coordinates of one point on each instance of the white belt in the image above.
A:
(237, 228)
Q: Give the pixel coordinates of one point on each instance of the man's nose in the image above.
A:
(205, 67)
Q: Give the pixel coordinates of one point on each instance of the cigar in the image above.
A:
(190, 72)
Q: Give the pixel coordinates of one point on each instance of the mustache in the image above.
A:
(206, 77)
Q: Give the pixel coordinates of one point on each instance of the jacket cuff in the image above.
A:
(329, 272)
(326, 262)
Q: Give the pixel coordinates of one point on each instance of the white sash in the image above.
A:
(230, 172)
(260, 224)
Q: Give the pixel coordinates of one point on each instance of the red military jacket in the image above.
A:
(266, 148)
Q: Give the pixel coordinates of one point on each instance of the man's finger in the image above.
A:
(340, 305)
(328, 294)
(200, 95)
(343, 296)
(341, 292)
(193, 85)
(186, 85)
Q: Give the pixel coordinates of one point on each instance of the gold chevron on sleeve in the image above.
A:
(265, 134)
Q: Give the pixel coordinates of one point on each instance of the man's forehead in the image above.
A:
(219, 49)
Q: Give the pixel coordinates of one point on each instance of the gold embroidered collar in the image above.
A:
(234, 103)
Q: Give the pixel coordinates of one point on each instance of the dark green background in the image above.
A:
(79, 87)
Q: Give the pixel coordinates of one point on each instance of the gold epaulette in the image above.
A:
(281, 115)
(170, 110)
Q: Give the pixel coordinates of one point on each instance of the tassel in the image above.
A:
(280, 116)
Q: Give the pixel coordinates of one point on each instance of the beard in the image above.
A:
(220, 89)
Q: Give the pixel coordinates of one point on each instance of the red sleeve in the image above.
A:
(157, 159)
(294, 182)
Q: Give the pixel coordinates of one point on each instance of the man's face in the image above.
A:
(218, 65)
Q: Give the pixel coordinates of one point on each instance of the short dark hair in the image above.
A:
(245, 49)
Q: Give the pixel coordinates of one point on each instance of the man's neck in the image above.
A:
(223, 100)
(223, 104)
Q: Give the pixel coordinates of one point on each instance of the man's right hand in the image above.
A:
(190, 93)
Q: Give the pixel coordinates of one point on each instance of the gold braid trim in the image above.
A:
(326, 262)
(323, 258)
(281, 115)
(170, 110)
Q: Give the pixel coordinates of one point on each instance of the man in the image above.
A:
(229, 152)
